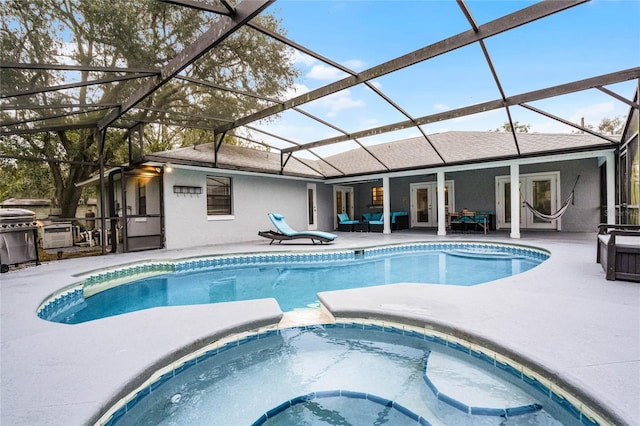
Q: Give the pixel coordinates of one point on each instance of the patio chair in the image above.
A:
(285, 232)
(376, 224)
(618, 251)
(346, 224)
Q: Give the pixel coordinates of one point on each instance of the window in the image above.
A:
(218, 195)
(377, 196)
(142, 196)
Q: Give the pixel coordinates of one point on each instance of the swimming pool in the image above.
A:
(347, 373)
(293, 279)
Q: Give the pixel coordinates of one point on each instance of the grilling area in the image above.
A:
(31, 232)
(18, 238)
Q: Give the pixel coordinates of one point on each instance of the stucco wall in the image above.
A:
(584, 214)
(187, 224)
(475, 189)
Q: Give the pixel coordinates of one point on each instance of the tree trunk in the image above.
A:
(69, 202)
(67, 193)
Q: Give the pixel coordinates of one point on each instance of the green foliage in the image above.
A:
(611, 126)
(123, 33)
(519, 128)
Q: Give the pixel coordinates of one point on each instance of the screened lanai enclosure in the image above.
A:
(335, 99)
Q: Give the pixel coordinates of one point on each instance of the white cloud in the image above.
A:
(296, 90)
(593, 114)
(340, 101)
(302, 58)
(355, 64)
(324, 72)
(441, 107)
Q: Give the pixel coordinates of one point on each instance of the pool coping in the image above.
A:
(536, 377)
(76, 379)
(101, 280)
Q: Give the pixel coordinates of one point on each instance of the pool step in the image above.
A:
(307, 316)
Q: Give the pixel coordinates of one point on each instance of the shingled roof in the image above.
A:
(441, 149)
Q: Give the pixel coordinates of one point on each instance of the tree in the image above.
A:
(611, 126)
(519, 128)
(124, 33)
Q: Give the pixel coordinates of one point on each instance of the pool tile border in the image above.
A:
(102, 280)
(468, 409)
(340, 393)
(547, 389)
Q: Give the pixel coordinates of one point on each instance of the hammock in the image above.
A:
(560, 212)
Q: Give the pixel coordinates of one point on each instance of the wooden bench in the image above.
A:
(618, 251)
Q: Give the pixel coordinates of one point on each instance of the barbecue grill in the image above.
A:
(18, 238)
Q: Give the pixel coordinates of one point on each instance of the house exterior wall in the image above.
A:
(325, 206)
(475, 189)
(187, 223)
(584, 214)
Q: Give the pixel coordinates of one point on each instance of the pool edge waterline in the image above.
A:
(97, 281)
(527, 371)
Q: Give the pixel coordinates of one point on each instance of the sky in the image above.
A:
(588, 40)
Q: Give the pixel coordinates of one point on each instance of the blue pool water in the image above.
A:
(294, 284)
(341, 376)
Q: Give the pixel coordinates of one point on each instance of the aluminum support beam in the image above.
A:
(611, 188)
(222, 29)
(500, 25)
(36, 90)
(562, 89)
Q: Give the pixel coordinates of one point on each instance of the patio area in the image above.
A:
(563, 316)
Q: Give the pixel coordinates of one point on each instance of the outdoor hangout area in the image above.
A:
(192, 191)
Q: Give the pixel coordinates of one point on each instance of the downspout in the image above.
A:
(125, 231)
(162, 230)
(112, 213)
(103, 220)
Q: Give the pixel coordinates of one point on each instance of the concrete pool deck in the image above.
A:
(562, 315)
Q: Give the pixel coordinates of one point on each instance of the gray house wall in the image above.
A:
(584, 214)
(475, 190)
(187, 223)
(325, 206)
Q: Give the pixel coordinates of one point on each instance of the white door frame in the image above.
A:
(527, 219)
(432, 201)
(312, 207)
(346, 202)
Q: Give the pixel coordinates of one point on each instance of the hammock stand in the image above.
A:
(560, 212)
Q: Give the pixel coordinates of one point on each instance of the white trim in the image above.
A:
(514, 174)
(434, 202)
(479, 166)
(522, 192)
(386, 205)
(234, 172)
(442, 212)
(214, 217)
(314, 203)
(348, 203)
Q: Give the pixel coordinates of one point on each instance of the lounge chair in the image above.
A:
(346, 224)
(285, 232)
(374, 221)
(618, 251)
